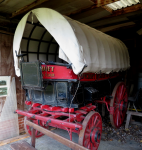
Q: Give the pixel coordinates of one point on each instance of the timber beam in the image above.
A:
(27, 8)
(126, 10)
(116, 16)
(114, 27)
(56, 137)
(97, 3)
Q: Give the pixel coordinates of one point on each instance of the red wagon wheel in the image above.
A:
(90, 135)
(28, 129)
(120, 103)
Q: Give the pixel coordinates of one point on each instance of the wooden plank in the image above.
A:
(11, 140)
(28, 7)
(134, 113)
(126, 10)
(57, 137)
(23, 145)
(117, 16)
(129, 114)
(90, 15)
(110, 28)
(97, 3)
(108, 9)
(64, 6)
(5, 32)
(108, 21)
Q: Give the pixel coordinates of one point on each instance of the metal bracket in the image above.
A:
(33, 117)
(49, 121)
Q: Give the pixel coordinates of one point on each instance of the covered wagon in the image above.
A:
(66, 69)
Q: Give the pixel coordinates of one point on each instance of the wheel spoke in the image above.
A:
(117, 100)
(95, 120)
(87, 135)
(86, 143)
(89, 145)
(98, 123)
(125, 97)
(92, 120)
(87, 131)
(29, 129)
(96, 145)
(115, 112)
(123, 93)
(121, 115)
(118, 118)
(89, 124)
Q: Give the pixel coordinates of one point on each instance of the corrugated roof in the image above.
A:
(122, 4)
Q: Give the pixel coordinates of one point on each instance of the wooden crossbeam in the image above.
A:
(117, 16)
(56, 137)
(27, 7)
(129, 114)
(125, 10)
(107, 9)
(99, 3)
(110, 28)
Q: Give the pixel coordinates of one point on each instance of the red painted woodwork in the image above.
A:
(35, 104)
(45, 118)
(28, 102)
(50, 120)
(63, 73)
(90, 135)
(118, 104)
(28, 129)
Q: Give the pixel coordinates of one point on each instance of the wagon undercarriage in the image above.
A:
(84, 121)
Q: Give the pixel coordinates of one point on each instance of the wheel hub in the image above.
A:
(121, 106)
(95, 136)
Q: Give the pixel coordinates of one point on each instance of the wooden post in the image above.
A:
(57, 137)
(33, 137)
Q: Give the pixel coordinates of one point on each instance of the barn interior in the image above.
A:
(118, 18)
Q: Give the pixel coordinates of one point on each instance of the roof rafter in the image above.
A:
(125, 10)
(27, 8)
(97, 3)
(110, 28)
(117, 15)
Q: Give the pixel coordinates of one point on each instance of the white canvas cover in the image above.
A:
(79, 44)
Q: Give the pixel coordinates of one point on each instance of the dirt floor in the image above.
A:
(134, 133)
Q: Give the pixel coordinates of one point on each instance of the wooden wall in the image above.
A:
(7, 69)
